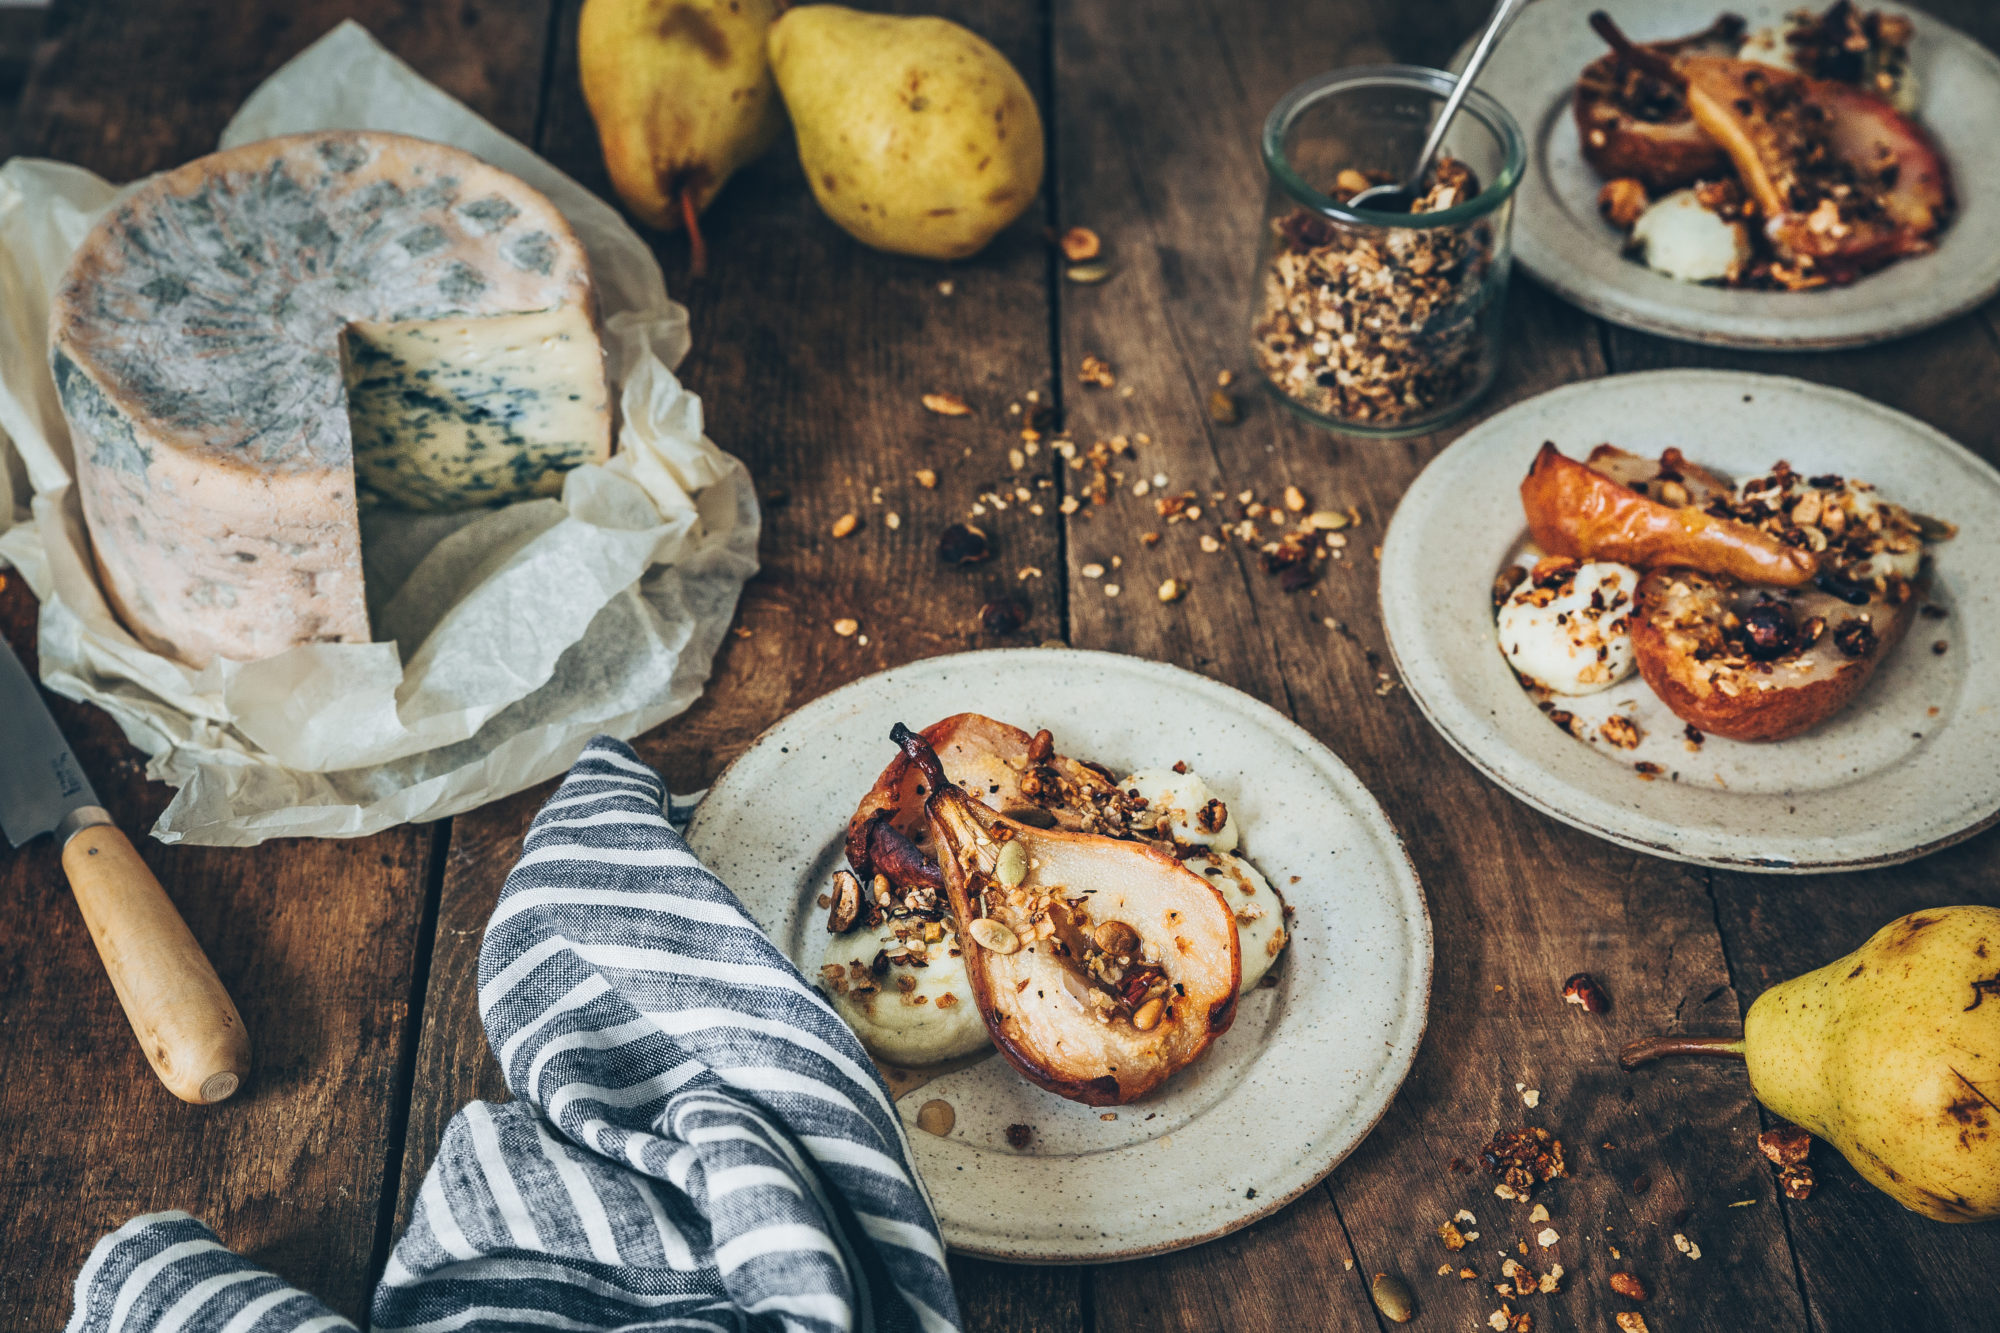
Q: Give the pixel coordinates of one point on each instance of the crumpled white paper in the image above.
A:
(505, 638)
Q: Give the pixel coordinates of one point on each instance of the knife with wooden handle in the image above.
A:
(185, 1021)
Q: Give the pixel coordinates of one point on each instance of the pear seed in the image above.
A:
(936, 1117)
(1012, 865)
(994, 937)
(1148, 1016)
(1393, 1298)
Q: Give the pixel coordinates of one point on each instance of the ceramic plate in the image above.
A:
(1309, 1065)
(1559, 237)
(1912, 765)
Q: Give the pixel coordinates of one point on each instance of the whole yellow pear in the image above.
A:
(1892, 1054)
(916, 135)
(682, 95)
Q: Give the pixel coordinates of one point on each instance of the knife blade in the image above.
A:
(40, 780)
(186, 1023)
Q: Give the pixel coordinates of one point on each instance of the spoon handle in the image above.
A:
(1504, 15)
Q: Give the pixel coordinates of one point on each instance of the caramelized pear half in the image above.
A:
(1101, 966)
(1633, 116)
(1001, 766)
(1841, 178)
(1580, 510)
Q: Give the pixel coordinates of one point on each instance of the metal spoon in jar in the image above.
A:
(1397, 198)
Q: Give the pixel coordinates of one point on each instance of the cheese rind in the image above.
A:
(203, 346)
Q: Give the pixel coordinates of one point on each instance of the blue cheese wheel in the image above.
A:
(240, 340)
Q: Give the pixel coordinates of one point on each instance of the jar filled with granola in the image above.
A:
(1382, 323)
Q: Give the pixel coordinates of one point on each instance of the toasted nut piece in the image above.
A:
(1079, 244)
(1621, 202)
(993, 937)
(1011, 867)
(845, 524)
(1583, 990)
(1392, 1297)
(1295, 499)
(926, 478)
(936, 1117)
(1629, 1286)
(1786, 1145)
(1172, 590)
(1796, 1181)
(1630, 1321)
(1350, 183)
(947, 405)
(846, 626)
(1222, 408)
(1148, 1016)
(1116, 938)
(846, 906)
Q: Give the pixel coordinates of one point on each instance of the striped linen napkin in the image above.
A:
(698, 1143)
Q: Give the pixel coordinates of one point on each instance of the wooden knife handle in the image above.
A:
(185, 1021)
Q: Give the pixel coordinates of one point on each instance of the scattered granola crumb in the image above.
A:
(1546, 1237)
(1093, 570)
(1629, 1286)
(845, 627)
(1465, 1215)
(1686, 1246)
(1096, 371)
(1630, 1321)
(1787, 1145)
(1453, 1238)
(1621, 731)
(1796, 1182)
(1079, 244)
(1112, 590)
(947, 405)
(1540, 1213)
(1295, 499)
(1172, 590)
(1347, 1264)
(892, 520)
(844, 525)
(1019, 1136)
(1531, 1098)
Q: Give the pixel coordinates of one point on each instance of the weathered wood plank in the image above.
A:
(811, 354)
(318, 941)
(1518, 901)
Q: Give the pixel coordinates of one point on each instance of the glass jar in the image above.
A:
(1380, 323)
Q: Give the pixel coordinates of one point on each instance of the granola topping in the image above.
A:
(1378, 325)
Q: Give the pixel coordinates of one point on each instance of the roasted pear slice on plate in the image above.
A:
(1003, 767)
(1633, 116)
(1762, 664)
(1100, 965)
(1582, 511)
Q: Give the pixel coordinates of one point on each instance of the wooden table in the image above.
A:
(354, 961)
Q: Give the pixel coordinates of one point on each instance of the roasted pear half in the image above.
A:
(1004, 768)
(1634, 120)
(1584, 511)
(1101, 966)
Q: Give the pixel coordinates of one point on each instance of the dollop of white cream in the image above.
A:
(1578, 641)
(1678, 237)
(932, 1021)
(1260, 912)
(1178, 801)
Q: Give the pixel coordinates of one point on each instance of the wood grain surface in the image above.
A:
(355, 963)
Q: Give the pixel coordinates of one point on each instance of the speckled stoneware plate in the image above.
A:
(1559, 237)
(1301, 1077)
(1912, 765)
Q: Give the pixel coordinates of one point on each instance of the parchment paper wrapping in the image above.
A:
(505, 637)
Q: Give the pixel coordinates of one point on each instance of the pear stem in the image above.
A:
(1648, 1049)
(697, 248)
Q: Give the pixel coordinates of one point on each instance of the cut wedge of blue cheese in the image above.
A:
(449, 413)
(240, 339)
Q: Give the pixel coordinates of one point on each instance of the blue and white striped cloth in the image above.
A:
(698, 1143)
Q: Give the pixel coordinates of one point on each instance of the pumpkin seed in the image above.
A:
(1393, 1298)
(993, 937)
(936, 1117)
(1089, 275)
(1011, 867)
